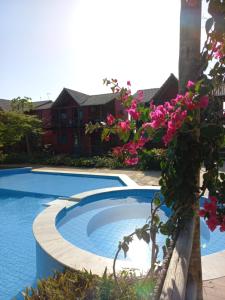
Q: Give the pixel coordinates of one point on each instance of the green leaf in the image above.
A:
(208, 24)
(125, 248)
(157, 201)
(146, 237)
(222, 176)
(210, 131)
(167, 242)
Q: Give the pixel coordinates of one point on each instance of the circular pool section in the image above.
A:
(99, 222)
(98, 225)
(86, 234)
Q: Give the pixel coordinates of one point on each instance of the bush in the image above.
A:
(151, 159)
(72, 285)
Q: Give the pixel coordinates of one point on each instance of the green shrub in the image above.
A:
(151, 159)
(72, 285)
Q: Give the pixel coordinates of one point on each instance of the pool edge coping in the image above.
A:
(123, 177)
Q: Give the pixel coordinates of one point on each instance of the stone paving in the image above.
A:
(212, 289)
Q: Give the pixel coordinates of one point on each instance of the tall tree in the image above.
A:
(15, 126)
(189, 68)
(22, 106)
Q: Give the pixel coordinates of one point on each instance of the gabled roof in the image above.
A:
(148, 94)
(44, 104)
(78, 97)
(86, 100)
(99, 99)
(5, 105)
(171, 80)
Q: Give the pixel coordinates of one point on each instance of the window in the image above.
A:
(63, 115)
(81, 114)
(62, 139)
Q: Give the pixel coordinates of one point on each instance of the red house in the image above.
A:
(64, 120)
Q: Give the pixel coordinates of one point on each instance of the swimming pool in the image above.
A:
(98, 226)
(23, 194)
(89, 231)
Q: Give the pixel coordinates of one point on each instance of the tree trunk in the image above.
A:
(189, 65)
(28, 145)
(190, 36)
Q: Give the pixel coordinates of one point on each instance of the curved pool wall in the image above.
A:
(64, 252)
(24, 193)
(67, 254)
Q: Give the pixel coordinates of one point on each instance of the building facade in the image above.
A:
(64, 119)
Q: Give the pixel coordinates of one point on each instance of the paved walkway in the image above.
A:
(212, 289)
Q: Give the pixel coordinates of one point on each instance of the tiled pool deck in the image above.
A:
(213, 288)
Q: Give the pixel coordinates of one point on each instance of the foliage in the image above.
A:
(14, 126)
(21, 105)
(72, 285)
(151, 160)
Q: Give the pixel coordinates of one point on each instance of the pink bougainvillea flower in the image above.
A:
(212, 223)
(140, 95)
(118, 151)
(213, 199)
(202, 213)
(141, 142)
(124, 125)
(204, 101)
(128, 83)
(146, 125)
(168, 106)
(188, 101)
(133, 113)
(178, 99)
(132, 161)
(222, 227)
(110, 120)
(158, 117)
(190, 84)
(210, 207)
(131, 148)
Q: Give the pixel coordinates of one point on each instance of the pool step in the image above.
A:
(61, 201)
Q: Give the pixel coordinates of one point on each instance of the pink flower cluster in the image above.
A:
(124, 126)
(110, 120)
(210, 213)
(171, 115)
(218, 50)
(132, 110)
(130, 150)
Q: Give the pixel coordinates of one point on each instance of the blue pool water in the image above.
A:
(22, 195)
(96, 225)
(99, 226)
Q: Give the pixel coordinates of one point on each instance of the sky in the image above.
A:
(46, 45)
